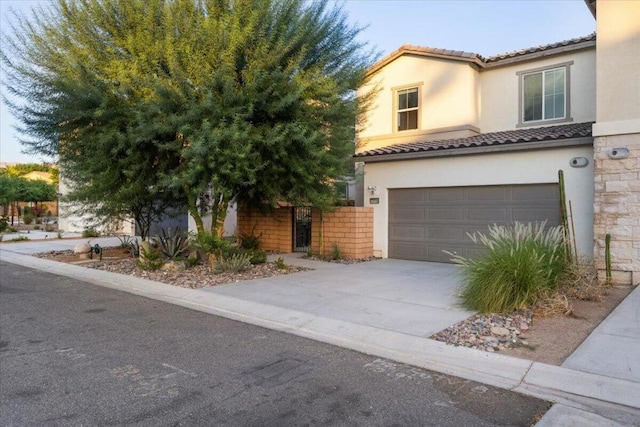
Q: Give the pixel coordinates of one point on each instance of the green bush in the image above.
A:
(28, 218)
(258, 256)
(336, 253)
(235, 263)
(4, 224)
(150, 259)
(250, 241)
(90, 232)
(210, 244)
(519, 265)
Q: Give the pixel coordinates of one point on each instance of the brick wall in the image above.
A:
(275, 229)
(351, 228)
(617, 207)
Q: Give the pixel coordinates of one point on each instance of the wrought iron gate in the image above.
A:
(301, 229)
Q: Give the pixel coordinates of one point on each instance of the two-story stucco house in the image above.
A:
(455, 142)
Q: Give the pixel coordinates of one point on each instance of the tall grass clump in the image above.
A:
(519, 264)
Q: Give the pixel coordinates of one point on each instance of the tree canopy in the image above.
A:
(201, 101)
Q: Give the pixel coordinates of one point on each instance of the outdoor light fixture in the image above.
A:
(618, 153)
(373, 189)
(579, 162)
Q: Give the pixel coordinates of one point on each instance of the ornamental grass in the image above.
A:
(520, 264)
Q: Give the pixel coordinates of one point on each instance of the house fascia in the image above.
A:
(502, 148)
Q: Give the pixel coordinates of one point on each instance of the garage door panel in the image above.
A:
(445, 194)
(485, 214)
(446, 233)
(408, 196)
(425, 221)
(449, 214)
(535, 193)
(486, 194)
(401, 232)
(406, 250)
(534, 214)
(408, 214)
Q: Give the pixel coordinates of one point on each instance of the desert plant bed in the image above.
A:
(117, 260)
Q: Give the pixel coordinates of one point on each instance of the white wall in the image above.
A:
(453, 94)
(528, 167)
(448, 96)
(499, 90)
(230, 221)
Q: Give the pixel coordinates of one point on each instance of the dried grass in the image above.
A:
(580, 281)
(556, 304)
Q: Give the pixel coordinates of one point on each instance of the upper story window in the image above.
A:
(544, 95)
(407, 107)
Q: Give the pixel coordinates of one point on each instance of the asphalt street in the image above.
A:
(72, 353)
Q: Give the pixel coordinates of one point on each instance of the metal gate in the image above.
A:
(301, 229)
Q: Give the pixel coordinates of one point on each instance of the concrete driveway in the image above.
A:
(410, 297)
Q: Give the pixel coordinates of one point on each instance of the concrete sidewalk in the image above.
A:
(386, 308)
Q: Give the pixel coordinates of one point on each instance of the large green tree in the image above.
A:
(209, 101)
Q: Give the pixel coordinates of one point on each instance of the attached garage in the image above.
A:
(424, 222)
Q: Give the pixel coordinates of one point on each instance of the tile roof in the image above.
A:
(521, 52)
(476, 58)
(549, 133)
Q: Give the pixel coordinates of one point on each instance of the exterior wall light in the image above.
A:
(579, 162)
(618, 153)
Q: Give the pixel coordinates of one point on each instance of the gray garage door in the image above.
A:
(425, 221)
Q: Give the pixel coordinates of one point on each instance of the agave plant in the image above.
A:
(172, 244)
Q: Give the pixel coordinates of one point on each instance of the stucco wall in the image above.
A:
(488, 169)
(617, 181)
(618, 44)
(457, 100)
(500, 87)
(447, 91)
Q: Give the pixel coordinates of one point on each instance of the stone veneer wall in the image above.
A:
(351, 228)
(617, 207)
(275, 229)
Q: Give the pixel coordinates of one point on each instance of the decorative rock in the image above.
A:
(500, 331)
(524, 326)
(173, 266)
(82, 248)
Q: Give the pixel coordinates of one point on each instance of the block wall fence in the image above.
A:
(350, 228)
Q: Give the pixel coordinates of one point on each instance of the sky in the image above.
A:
(479, 26)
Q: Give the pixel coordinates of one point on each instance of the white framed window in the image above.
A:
(407, 109)
(544, 95)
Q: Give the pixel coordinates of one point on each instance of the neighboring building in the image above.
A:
(455, 142)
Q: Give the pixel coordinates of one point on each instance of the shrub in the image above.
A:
(211, 244)
(49, 228)
(172, 244)
(250, 241)
(90, 232)
(520, 264)
(235, 263)
(134, 248)
(280, 265)
(258, 256)
(36, 227)
(4, 224)
(150, 259)
(125, 241)
(336, 253)
(27, 218)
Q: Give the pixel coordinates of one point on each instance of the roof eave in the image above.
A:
(591, 4)
(484, 149)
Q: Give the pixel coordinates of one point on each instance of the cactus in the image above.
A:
(607, 257)
(563, 214)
